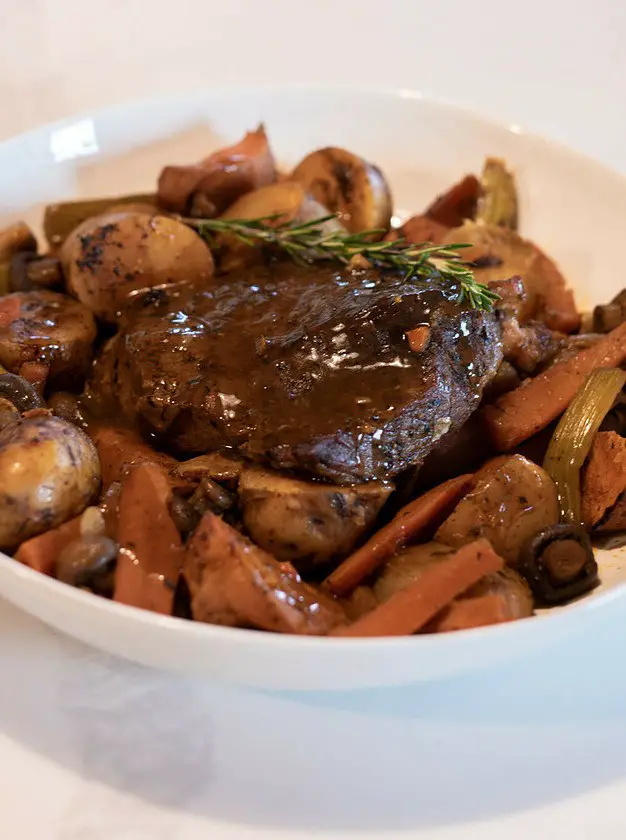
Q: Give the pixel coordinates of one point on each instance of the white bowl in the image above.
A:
(572, 206)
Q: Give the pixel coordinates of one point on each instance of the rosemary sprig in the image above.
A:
(308, 241)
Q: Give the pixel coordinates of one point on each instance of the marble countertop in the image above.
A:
(93, 748)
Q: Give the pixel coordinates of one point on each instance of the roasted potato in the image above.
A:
(288, 201)
(49, 472)
(512, 500)
(349, 186)
(109, 257)
(304, 522)
(50, 329)
(499, 253)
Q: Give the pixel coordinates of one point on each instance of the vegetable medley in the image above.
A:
(247, 399)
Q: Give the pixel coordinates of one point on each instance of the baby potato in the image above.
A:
(49, 472)
(288, 201)
(349, 186)
(108, 257)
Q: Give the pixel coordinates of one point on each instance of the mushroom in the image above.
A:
(558, 564)
(306, 522)
(349, 186)
(49, 472)
(512, 500)
(110, 257)
(88, 563)
(49, 329)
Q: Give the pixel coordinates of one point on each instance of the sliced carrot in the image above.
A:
(413, 521)
(119, 449)
(408, 610)
(521, 413)
(10, 310)
(36, 373)
(471, 612)
(456, 205)
(41, 552)
(604, 479)
(150, 553)
(418, 338)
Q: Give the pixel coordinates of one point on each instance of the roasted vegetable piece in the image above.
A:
(110, 257)
(558, 564)
(456, 205)
(15, 238)
(121, 449)
(411, 523)
(19, 392)
(574, 436)
(497, 202)
(64, 217)
(410, 609)
(234, 582)
(510, 502)
(607, 316)
(499, 253)
(219, 180)
(41, 552)
(150, 554)
(27, 271)
(499, 597)
(88, 563)
(521, 413)
(47, 328)
(306, 522)
(49, 472)
(349, 186)
(407, 566)
(604, 481)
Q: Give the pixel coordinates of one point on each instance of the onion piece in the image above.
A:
(574, 435)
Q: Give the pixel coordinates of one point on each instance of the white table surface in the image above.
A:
(92, 748)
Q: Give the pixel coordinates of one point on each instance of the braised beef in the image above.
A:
(307, 369)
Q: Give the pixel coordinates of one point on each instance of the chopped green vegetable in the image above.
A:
(497, 205)
(574, 435)
(61, 219)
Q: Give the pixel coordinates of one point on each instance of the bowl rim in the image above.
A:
(206, 632)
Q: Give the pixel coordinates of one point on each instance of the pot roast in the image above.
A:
(307, 369)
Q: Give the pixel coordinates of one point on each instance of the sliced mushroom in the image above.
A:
(305, 522)
(558, 564)
(607, 316)
(512, 500)
(61, 219)
(347, 185)
(50, 329)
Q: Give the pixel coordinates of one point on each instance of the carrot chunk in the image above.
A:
(408, 610)
(519, 414)
(41, 552)
(423, 513)
(150, 553)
